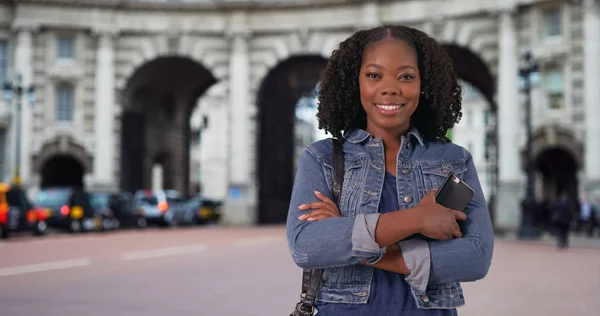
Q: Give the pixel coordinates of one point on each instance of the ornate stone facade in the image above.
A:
(124, 52)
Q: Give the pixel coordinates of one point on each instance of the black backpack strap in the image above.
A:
(312, 278)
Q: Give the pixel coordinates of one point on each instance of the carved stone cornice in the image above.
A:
(226, 5)
(77, 3)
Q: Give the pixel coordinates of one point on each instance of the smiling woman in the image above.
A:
(390, 94)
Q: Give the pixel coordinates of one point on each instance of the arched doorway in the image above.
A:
(62, 161)
(277, 98)
(477, 131)
(558, 168)
(555, 174)
(557, 159)
(62, 170)
(158, 101)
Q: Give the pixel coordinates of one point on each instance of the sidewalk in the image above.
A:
(548, 239)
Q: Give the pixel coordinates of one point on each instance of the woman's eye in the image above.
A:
(372, 75)
(407, 77)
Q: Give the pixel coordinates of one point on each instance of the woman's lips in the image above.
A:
(389, 108)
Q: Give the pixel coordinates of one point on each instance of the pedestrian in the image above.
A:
(586, 221)
(390, 94)
(562, 219)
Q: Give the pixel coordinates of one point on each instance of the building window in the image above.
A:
(65, 101)
(65, 47)
(554, 87)
(552, 22)
(3, 61)
(486, 118)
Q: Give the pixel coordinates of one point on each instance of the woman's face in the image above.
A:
(390, 85)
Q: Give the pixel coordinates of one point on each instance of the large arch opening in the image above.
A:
(477, 131)
(62, 171)
(471, 68)
(158, 101)
(278, 98)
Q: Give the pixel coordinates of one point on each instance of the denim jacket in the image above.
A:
(339, 244)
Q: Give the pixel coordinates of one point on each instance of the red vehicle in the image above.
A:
(18, 214)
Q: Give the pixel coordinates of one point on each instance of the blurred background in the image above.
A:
(117, 116)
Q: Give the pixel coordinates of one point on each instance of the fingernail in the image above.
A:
(301, 206)
(317, 192)
(310, 219)
(301, 217)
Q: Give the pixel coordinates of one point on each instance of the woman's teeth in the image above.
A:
(389, 106)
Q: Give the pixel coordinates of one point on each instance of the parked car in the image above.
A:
(71, 209)
(157, 206)
(120, 205)
(186, 211)
(211, 211)
(18, 214)
(107, 216)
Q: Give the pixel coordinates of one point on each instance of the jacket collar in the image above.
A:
(358, 135)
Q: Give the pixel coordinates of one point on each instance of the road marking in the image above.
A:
(265, 240)
(163, 252)
(45, 266)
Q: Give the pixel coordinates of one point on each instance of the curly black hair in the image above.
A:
(339, 95)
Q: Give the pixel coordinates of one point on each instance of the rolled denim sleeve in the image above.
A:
(363, 238)
(331, 242)
(418, 261)
(468, 258)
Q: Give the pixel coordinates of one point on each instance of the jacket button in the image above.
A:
(425, 298)
(408, 199)
(405, 171)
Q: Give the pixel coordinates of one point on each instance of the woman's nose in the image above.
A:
(390, 91)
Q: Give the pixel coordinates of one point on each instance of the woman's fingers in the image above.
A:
(325, 199)
(456, 233)
(460, 216)
(313, 205)
(318, 215)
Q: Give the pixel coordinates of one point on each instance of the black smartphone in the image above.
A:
(454, 193)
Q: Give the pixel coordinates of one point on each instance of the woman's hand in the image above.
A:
(438, 222)
(320, 210)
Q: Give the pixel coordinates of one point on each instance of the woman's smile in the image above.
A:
(390, 109)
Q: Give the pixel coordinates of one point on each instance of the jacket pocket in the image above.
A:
(348, 284)
(354, 176)
(435, 174)
(440, 296)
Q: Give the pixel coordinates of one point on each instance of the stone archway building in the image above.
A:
(95, 47)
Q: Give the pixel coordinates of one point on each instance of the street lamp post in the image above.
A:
(18, 90)
(529, 204)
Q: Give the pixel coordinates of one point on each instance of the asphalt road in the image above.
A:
(247, 272)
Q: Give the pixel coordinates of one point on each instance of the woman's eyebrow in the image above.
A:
(399, 68)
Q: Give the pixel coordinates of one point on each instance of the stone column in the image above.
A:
(239, 209)
(591, 31)
(104, 112)
(239, 75)
(24, 68)
(507, 208)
